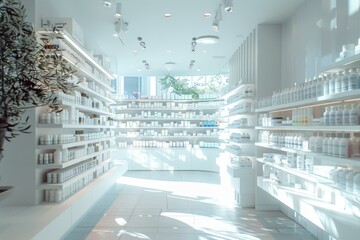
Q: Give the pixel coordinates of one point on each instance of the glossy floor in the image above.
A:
(183, 205)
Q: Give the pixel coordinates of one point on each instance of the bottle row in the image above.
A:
(62, 175)
(339, 115)
(249, 91)
(74, 116)
(336, 145)
(77, 137)
(323, 85)
(165, 132)
(80, 61)
(58, 195)
(64, 155)
(168, 144)
(342, 177)
(241, 122)
(82, 99)
(170, 96)
(139, 124)
(179, 115)
(91, 85)
(241, 162)
(240, 137)
(244, 107)
(172, 105)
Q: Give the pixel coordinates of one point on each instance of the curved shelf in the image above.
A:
(238, 114)
(355, 128)
(168, 137)
(73, 161)
(85, 109)
(167, 119)
(168, 100)
(92, 93)
(182, 128)
(169, 109)
(74, 144)
(347, 63)
(240, 100)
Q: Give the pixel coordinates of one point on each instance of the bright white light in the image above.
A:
(167, 15)
(353, 7)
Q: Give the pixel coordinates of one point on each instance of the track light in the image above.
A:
(191, 65)
(125, 26)
(217, 19)
(228, 5)
(118, 10)
(216, 25)
(106, 3)
(118, 24)
(142, 43)
(193, 44)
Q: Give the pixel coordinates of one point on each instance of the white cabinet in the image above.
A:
(74, 146)
(309, 163)
(168, 134)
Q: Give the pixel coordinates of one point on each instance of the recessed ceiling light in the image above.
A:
(139, 70)
(204, 51)
(207, 15)
(167, 15)
(135, 51)
(209, 39)
(198, 70)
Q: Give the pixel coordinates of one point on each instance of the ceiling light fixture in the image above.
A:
(118, 10)
(169, 66)
(142, 43)
(207, 15)
(106, 3)
(191, 65)
(193, 44)
(228, 5)
(167, 15)
(208, 39)
(217, 19)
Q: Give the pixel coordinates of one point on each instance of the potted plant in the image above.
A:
(179, 86)
(30, 74)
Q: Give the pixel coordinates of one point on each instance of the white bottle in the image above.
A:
(313, 85)
(338, 82)
(335, 147)
(329, 145)
(353, 79)
(318, 144)
(354, 115)
(325, 143)
(350, 181)
(345, 81)
(344, 147)
(312, 143)
(346, 115)
(300, 163)
(332, 84)
(339, 116)
(326, 116)
(57, 156)
(319, 86)
(326, 84)
(332, 115)
(342, 178)
(65, 155)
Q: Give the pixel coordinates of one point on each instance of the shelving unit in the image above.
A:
(81, 134)
(236, 167)
(169, 134)
(314, 182)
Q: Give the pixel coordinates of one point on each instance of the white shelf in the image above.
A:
(80, 126)
(94, 94)
(237, 90)
(168, 137)
(172, 148)
(167, 119)
(347, 63)
(119, 102)
(238, 114)
(330, 99)
(240, 100)
(296, 172)
(74, 144)
(241, 128)
(319, 156)
(73, 179)
(73, 161)
(85, 108)
(355, 128)
(240, 143)
(169, 109)
(182, 128)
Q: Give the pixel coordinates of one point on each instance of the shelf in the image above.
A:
(236, 90)
(182, 128)
(169, 148)
(238, 114)
(169, 109)
(167, 119)
(347, 63)
(318, 156)
(74, 144)
(73, 161)
(94, 94)
(240, 128)
(330, 99)
(167, 100)
(240, 100)
(73, 179)
(168, 137)
(85, 108)
(239, 155)
(355, 128)
(79, 126)
(296, 172)
(240, 143)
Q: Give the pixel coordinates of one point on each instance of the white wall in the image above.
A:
(309, 42)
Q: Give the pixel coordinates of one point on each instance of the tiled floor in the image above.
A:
(179, 206)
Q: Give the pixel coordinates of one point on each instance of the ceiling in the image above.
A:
(167, 39)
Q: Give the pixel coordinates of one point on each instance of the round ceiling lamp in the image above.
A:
(209, 39)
